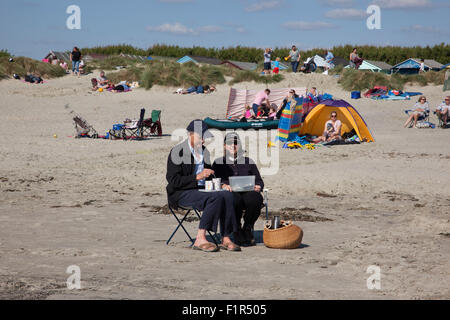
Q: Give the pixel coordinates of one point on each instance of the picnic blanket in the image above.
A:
(239, 98)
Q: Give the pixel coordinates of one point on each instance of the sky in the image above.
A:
(34, 27)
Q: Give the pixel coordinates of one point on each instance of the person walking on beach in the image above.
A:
(329, 57)
(188, 167)
(295, 57)
(75, 57)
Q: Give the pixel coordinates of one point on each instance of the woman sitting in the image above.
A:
(332, 130)
(419, 110)
(248, 204)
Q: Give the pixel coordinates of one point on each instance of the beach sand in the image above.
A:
(94, 203)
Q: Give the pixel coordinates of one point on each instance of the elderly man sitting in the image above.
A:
(443, 112)
(188, 166)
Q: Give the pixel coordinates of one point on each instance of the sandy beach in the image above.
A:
(96, 203)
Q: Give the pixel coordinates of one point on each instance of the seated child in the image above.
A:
(260, 113)
(102, 80)
(273, 112)
(248, 114)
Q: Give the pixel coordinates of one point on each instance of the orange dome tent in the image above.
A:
(315, 121)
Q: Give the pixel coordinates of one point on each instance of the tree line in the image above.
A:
(388, 54)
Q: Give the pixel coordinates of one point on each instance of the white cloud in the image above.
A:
(209, 29)
(426, 29)
(176, 28)
(403, 4)
(264, 5)
(179, 29)
(304, 25)
(339, 3)
(350, 14)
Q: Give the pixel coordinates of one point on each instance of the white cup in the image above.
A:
(217, 183)
(209, 186)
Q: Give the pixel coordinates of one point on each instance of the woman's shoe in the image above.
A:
(249, 239)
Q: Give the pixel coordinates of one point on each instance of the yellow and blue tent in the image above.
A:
(315, 121)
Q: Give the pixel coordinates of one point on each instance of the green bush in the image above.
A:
(388, 54)
(352, 79)
(245, 76)
(22, 66)
(169, 73)
(131, 74)
(4, 53)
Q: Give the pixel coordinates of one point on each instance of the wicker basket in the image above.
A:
(289, 236)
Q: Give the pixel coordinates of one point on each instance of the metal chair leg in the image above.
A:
(180, 224)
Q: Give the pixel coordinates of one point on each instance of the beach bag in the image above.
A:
(424, 124)
(356, 94)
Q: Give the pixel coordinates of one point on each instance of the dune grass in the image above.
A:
(169, 73)
(112, 62)
(131, 74)
(362, 80)
(244, 76)
(23, 66)
(4, 53)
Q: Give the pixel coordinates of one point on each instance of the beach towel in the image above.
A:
(239, 98)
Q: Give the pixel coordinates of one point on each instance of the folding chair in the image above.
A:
(425, 117)
(440, 119)
(84, 129)
(132, 129)
(180, 223)
(152, 126)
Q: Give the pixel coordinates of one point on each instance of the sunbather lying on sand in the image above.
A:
(33, 78)
(196, 89)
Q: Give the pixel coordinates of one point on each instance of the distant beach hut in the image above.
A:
(199, 60)
(240, 65)
(412, 66)
(375, 66)
(58, 55)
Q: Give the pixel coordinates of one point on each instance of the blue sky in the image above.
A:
(33, 27)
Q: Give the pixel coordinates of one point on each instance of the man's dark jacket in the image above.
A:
(181, 174)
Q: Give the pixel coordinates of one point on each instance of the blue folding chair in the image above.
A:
(425, 117)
